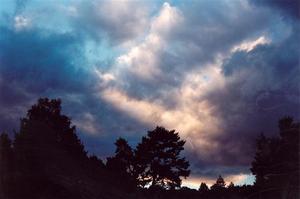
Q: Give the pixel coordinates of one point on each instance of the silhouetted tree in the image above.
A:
(122, 163)
(219, 185)
(96, 161)
(231, 185)
(203, 188)
(263, 160)
(46, 147)
(6, 164)
(158, 159)
(276, 162)
(123, 159)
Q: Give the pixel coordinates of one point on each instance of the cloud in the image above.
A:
(211, 29)
(250, 45)
(143, 60)
(180, 41)
(114, 20)
(21, 22)
(192, 114)
(288, 7)
(37, 63)
(87, 124)
(226, 83)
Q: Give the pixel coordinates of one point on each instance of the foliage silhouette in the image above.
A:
(230, 186)
(122, 164)
(6, 165)
(276, 162)
(219, 185)
(158, 159)
(203, 188)
(50, 160)
(45, 148)
(47, 160)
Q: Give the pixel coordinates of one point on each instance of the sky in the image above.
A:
(219, 72)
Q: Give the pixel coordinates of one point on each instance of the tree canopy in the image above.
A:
(276, 162)
(158, 159)
(122, 164)
(6, 164)
(203, 187)
(46, 159)
(219, 185)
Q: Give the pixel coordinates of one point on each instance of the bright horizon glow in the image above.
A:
(238, 180)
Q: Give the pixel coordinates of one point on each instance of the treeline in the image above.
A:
(46, 159)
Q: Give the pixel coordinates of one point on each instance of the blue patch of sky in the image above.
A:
(249, 180)
(7, 7)
(100, 54)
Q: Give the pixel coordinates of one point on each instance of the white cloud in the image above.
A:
(192, 115)
(105, 78)
(249, 45)
(143, 59)
(21, 22)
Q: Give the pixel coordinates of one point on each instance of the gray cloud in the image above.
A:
(262, 86)
(113, 20)
(208, 30)
(287, 7)
(35, 63)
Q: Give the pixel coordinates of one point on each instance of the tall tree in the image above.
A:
(122, 164)
(158, 159)
(276, 162)
(263, 159)
(123, 159)
(6, 164)
(203, 188)
(219, 185)
(46, 147)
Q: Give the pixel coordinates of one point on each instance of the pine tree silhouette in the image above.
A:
(6, 165)
(122, 164)
(276, 162)
(158, 159)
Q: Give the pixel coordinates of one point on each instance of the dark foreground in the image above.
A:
(46, 160)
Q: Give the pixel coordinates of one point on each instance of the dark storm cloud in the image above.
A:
(39, 63)
(287, 7)
(207, 30)
(262, 86)
(34, 63)
(213, 27)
